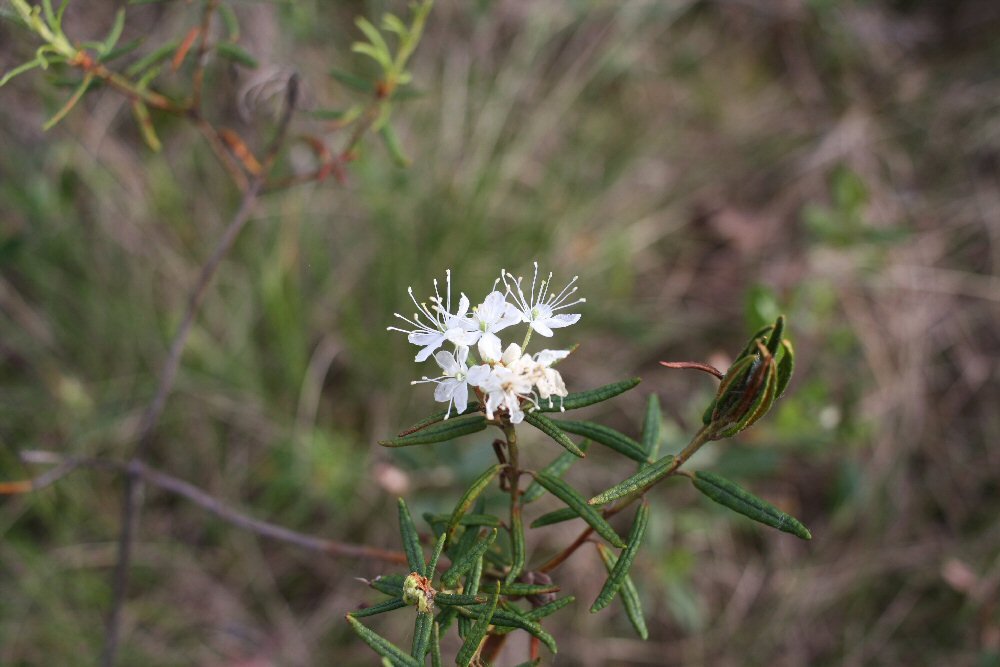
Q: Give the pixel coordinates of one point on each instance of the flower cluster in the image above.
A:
(506, 378)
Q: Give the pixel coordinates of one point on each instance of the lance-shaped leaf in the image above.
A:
(422, 635)
(774, 341)
(584, 398)
(390, 584)
(411, 540)
(738, 499)
(467, 560)
(487, 520)
(438, 417)
(353, 81)
(382, 646)
(475, 577)
(465, 502)
(432, 563)
(606, 436)
(554, 517)
(120, 51)
(446, 430)
(522, 590)
(621, 568)
(394, 146)
(510, 618)
(549, 428)
(516, 545)
(574, 500)
(558, 466)
(436, 646)
(651, 427)
(151, 59)
(786, 365)
(477, 632)
(459, 599)
(380, 608)
(637, 483)
(732, 388)
(539, 613)
(629, 594)
(757, 396)
(236, 54)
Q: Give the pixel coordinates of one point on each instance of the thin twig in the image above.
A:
(198, 78)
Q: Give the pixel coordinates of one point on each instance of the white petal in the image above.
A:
(562, 320)
(426, 352)
(445, 390)
(447, 362)
(461, 336)
(508, 317)
(541, 329)
(492, 307)
(462, 354)
(461, 397)
(463, 306)
(548, 357)
(424, 338)
(511, 354)
(478, 375)
(489, 348)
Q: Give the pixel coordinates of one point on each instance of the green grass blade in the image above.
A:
(549, 428)
(606, 436)
(590, 397)
(637, 483)
(730, 495)
(571, 498)
(621, 569)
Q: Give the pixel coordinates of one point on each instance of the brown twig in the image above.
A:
(198, 78)
(132, 491)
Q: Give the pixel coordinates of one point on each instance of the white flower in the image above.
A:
(549, 382)
(539, 307)
(441, 324)
(492, 315)
(453, 387)
(504, 388)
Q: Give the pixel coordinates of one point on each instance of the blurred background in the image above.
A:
(702, 165)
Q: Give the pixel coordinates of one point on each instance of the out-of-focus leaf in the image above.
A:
(236, 54)
(152, 58)
(393, 145)
(230, 21)
(116, 32)
(124, 49)
(516, 546)
(146, 127)
(353, 81)
(556, 516)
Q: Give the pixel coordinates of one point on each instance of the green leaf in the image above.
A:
(774, 342)
(436, 646)
(378, 56)
(584, 398)
(150, 59)
(629, 594)
(549, 428)
(22, 68)
(382, 646)
(513, 618)
(380, 608)
(122, 50)
(432, 563)
(539, 613)
(757, 398)
(390, 584)
(732, 388)
(557, 516)
(606, 436)
(637, 483)
(411, 540)
(467, 560)
(236, 54)
(571, 498)
(459, 599)
(522, 590)
(475, 577)
(146, 127)
(437, 417)
(487, 520)
(375, 37)
(446, 430)
(558, 466)
(729, 494)
(475, 636)
(116, 32)
(70, 103)
(353, 82)
(651, 427)
(621, 568)
(516, 546)
(786, 366)
(230, 21)
(393, 145)
(465, 502)
(422, 627)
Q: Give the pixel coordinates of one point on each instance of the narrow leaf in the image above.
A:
(436, 646)
(438, 417)
(637, 483)
(539, 613)
(621, 568)
(70, 103)
(381, 645)
(476, 635)
(558, 466)
(116, 32)
(459, 599)
(393, 145)
(146, 127)
(21, 69)
(591, 396)
(629, 594)
(696, 365)
(411, 540)
(230, 21)
(353, 81)
(568, 495)
(380, 608)
(487, 520)
(786, 366)
(432, 563)
(422, 628)
(390, 584)
(557, 516)
(468, 560)
(774, 342)
(446, 430)
(522, 590)
(120, 51)
(152, 58)
(516, 546)
(470, 495)
(236, 54)
(606, 436)
(651, 426)
(509, 618)
(549, 428)
(729, 494)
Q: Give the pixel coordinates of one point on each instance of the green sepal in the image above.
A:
(382, 646)
(521, 590)
(411, 539)
(629, 595)
(470, 495)
(557, 468)
(516, 546)
(621, 568)
(652, 427)
(571, 498)
(554, 517)
(422, 635)
(729, 494)
(236, 54)
(584, 398)
(466, 561)
(380, 608)
(762, 381)
(432, 563)
(606, 436)
(786, 366)
(637, 483)
(438, 417)
(551, 429)
(474, 637)
(446, 430)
